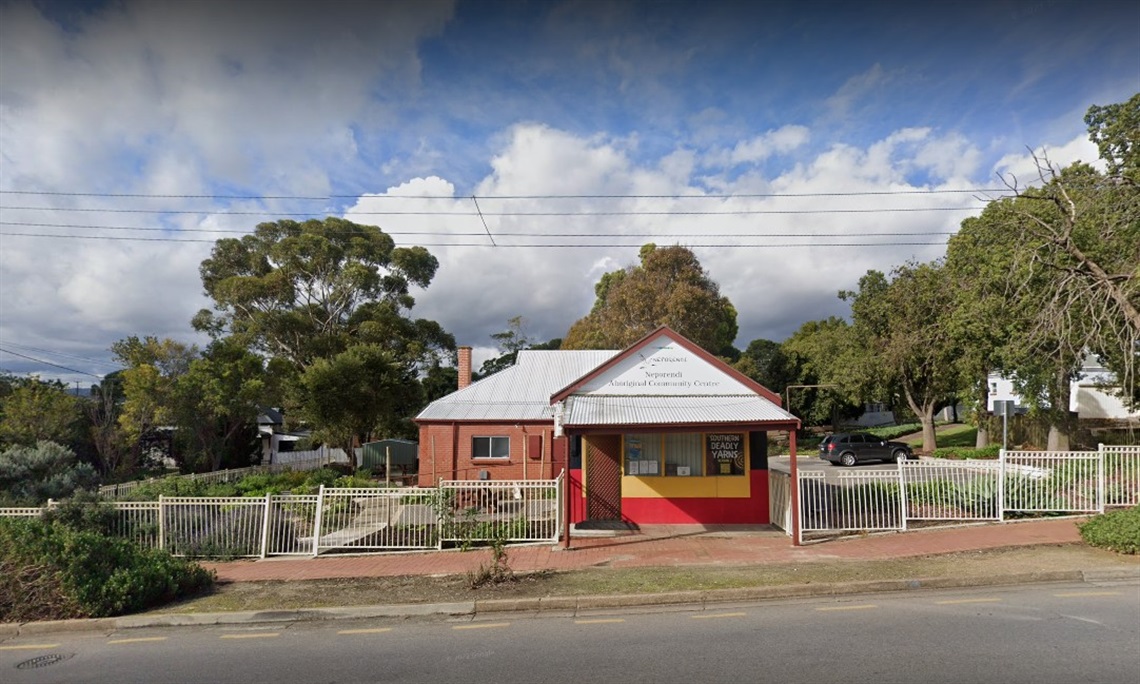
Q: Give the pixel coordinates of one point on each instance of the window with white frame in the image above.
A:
(669, 454)
(643, 455)
(491, 447)
(683, 454)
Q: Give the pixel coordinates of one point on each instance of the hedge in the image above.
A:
(1116, 530)
(51, 571)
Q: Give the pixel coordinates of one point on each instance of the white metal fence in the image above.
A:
(921, 492)
(511, 511)
(1121, 475)
(854, 501)
(360, 520)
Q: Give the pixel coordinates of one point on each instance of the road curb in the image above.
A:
(697, 600)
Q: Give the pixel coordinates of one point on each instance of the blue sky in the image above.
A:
(359, 102)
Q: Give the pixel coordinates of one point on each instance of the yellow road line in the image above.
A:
(263, 635)
(716, 615)
(136, 640)
(599, 621)
(1074, 594)
(483, 625)
(860, 607)
(954, 602)
(377, 630)
(27, 647)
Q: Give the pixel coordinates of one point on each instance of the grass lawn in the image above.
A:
(952, 436)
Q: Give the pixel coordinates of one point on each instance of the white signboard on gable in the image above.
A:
(664, 368)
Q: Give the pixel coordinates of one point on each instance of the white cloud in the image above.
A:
(478, 287)
(1021, 169)
(779, 141)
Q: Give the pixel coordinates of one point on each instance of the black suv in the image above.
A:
(849, 448)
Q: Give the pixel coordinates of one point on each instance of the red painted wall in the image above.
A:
(750, 511)
(577, 501)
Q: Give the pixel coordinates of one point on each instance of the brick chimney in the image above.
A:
(464, 367)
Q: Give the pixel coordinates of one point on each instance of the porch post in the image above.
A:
(795, 486)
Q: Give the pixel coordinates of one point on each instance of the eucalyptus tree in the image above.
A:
(304, 294)
(901, 325)
(1052, 274)
(302, 291)
(357, 393)
(669, 287)
(33, 410)
(822, 357)
(151, 369)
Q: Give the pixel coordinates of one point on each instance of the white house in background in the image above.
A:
(274, 439)
(875, 414)
(1091, 396)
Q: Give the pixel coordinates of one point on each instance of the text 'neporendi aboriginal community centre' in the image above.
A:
(660, 433)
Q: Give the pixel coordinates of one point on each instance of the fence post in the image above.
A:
(798, 522)
(317, 520)
(902, 496)
(161, 523)
(265, 526)
(439, 494)
(1100, 484)
(558, 512)
(1001, 486)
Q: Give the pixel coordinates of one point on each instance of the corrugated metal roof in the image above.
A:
(521, 392)
(582, 411)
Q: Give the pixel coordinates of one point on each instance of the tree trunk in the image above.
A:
(983, 439)
(1058, 439)
(929, 439)
(1060, 420)
(350, 452)
(925, 415)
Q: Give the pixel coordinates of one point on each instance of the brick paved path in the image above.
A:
(661, 546)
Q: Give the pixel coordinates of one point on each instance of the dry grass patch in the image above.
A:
(404, 590)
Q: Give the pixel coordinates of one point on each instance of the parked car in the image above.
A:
(849, 448)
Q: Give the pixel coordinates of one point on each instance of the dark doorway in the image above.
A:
(603, 477)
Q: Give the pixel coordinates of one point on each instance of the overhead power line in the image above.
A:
(500, 233)
(317, 198)
(49, 363)
(529, 245)
(731, 212)
(63, 354)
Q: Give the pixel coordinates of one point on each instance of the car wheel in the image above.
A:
(847, 459)
(900, 456)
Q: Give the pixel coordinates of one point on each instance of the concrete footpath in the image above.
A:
(652, 547)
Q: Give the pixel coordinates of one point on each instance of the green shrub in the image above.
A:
(30, 475)
(966, 453)
(50, 570)
(297, 482)
(1116, 530)
(84, 512)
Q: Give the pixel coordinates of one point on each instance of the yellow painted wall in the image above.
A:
(703, 487)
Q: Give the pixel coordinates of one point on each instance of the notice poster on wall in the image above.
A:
(725, 453)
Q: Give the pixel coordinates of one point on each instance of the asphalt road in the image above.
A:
(1062, 633)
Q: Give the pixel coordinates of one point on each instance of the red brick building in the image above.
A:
(662, 432)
